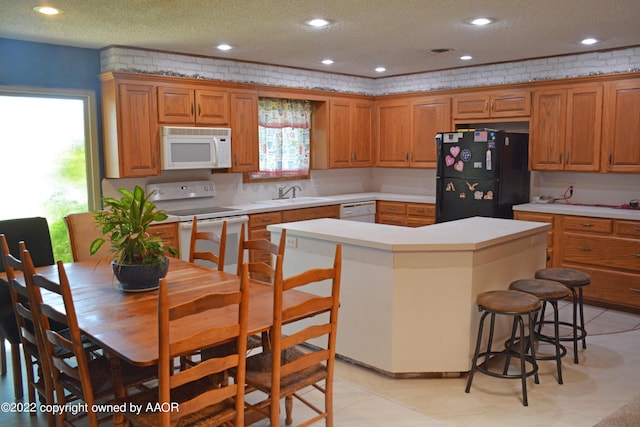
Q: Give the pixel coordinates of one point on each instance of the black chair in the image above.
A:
(35, 233)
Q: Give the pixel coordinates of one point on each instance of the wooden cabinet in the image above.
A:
(169, 234)
(542, 217)
(293, 215)
(621, 126)
(188, 106)
(131, 141)
(244, 131)
(496, 104)
(608, 250)
(429, 115)
(350, 131)
(405, 214)
(392, 119)
(566, 128)
(406, 131)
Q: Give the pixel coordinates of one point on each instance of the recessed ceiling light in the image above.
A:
(589, 41)
(318, 22)
(482, 21)
(327, 61)
(381, 69)
(46, 10)
(466, 57)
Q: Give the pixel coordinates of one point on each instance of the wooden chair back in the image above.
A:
(217, 239)
(260, 256)
(315, 319)
(83, 230)
(199, 309)
(28, 327)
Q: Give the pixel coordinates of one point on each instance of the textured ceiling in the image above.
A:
(396, 34)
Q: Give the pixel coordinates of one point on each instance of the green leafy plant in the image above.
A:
(126, 222)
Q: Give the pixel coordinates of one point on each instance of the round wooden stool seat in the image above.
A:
(541, 288)
(508, 302)
(575, 280)
(567, 276)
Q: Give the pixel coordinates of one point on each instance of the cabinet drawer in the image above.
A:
(612, 287)
(533, 216)
(332, 211)
(264, 219)
(613, 253)
(392, 219)
(260, 233)
(627, 228)
(588, 225)
(394, 208)
(168, 233)
(419, 221)
(421, 209)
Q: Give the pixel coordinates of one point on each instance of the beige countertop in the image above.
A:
(580, 210)
(465, 234)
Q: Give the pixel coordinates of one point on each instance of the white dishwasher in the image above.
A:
(359, 211)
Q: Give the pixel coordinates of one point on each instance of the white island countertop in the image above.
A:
(466, 234)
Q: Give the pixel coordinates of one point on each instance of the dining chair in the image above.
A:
(27, 330)
(260, 256)
(290, 365)
(83, 230)
(35, 232)
(78, 372)
(218, 239)
(193, 397)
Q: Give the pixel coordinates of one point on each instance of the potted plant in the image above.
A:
(140, 259)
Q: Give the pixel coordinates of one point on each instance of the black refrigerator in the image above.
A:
(481, 173)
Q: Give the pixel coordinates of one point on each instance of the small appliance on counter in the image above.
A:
(481, 173)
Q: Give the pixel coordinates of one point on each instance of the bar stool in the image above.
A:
(572, 279)
(516, 304)
(550, 292)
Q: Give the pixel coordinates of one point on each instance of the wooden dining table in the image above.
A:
(126, 323)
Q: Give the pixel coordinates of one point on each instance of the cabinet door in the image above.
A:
(548, 130)
(175, 105)
(361, 133)
(138, 143)
(428, 117)
(515, 103)
(393, 134)
(621, 127)
(244, 131)
(471, 106)
(212, 107)
(584, 127)
(340, 153)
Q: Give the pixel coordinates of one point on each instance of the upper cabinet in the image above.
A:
(429, 115)
(406, 130)
(131, 142)
(244, 131)
(187, 106)
(566, 128)
(495, 104)
(350, 130)
(621, 126)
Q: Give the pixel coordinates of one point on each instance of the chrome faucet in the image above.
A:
(283, 191)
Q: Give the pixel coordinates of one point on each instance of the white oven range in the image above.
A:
(197, 198)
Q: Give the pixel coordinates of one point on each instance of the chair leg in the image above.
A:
(3, 356)
(16, 366)
(474, 362)
(288, 409)
(584, 333)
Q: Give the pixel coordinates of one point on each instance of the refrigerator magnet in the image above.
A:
(480, 136)
(489, 195)
(448, 160)
(455, 150)
(478, 195)
(450, 187)
(465, 155)
(459, 166)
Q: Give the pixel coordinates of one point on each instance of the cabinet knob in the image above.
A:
(585, 249)
(636, 290)
(586, 224)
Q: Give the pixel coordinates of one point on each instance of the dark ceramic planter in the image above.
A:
(135, 278)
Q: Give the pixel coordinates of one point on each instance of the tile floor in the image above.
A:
(607, 377)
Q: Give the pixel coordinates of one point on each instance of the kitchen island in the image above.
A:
(408, 295)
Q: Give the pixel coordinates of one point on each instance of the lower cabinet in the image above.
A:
(406, 214)
(169, 234)
(607, 249)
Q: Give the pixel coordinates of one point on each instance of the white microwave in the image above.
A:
(195, 148)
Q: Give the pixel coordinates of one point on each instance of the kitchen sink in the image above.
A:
(292, 201)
